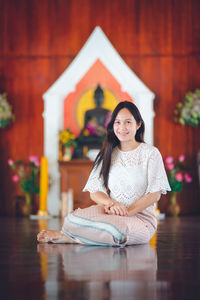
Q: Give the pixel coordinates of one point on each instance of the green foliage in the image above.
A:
(176, 186)
(27, 175)
(188, 111)
(6, 115)
(31, 183)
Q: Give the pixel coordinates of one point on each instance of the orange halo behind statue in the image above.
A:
(81, 100)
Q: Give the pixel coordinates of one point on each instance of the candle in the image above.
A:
(64, 204)
(43, 186)
(70, 201)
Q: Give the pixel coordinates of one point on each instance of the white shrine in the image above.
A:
(97, 47)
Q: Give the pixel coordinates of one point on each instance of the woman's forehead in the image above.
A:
(124, 113)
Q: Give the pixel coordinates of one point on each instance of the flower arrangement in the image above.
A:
(177, 173)
(67, 144)
(27, 175)
(188, 111)
(6, 115)
(93, 128)
(67, 138)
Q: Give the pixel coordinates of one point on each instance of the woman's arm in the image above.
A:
(144, 202)
(111, 206)
(102, 199)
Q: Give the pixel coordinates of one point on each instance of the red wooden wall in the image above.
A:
(159, 40)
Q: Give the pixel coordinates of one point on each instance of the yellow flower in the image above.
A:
(67, 135)
(64, 136)
(67, 138)
(86, 132)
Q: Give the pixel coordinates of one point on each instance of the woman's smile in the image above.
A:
(122, 133)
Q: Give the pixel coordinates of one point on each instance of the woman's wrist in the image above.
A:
(132, 210)
(110, 202)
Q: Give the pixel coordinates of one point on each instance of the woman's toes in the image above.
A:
(41, 237)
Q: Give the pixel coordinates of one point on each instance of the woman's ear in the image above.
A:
(138, 125)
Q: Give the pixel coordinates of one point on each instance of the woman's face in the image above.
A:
(125, 126)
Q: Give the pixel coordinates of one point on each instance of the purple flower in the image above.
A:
(92, 130)
(107, 119)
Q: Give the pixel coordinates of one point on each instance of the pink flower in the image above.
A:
(179, 177)
(181, 157)
(91, 128)
(169, 166)
(188, 178)
(15, 178)
(10, 162)
(169, 159)
(35, 159)
(37, 163)
(108, 118)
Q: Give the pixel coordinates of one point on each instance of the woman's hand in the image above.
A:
(116, 209)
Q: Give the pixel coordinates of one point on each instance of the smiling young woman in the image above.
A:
(125, 128)
(127, 179)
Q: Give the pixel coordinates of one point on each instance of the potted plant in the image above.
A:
(177, 175)
(27, 175)
(188, 113)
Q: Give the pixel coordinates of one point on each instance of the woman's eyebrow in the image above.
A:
(122, 119)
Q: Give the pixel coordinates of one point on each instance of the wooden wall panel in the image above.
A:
(60, 27)
(159, 40)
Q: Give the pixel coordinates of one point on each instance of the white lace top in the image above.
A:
(132, 175)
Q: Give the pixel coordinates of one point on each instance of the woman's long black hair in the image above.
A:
(111, 141)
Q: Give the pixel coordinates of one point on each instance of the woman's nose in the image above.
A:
(123, 126)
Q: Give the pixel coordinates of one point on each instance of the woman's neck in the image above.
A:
(128, 146)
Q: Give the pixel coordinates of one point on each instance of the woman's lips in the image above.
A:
(123, 133)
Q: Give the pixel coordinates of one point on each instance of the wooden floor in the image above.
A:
(169, 268)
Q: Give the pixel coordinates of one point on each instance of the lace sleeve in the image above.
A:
(95, 182)
(157, 177)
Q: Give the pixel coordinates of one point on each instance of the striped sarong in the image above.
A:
(92, 226)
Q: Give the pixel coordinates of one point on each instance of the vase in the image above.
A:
(27, 205)
(174, 207)
(68, 152)
(24, 205)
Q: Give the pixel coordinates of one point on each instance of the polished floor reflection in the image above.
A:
(167, 268)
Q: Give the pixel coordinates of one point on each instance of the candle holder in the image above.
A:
(42, 213)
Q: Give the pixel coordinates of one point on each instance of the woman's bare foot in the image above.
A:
(54, 236)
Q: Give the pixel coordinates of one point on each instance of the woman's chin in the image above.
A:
(123, 138)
